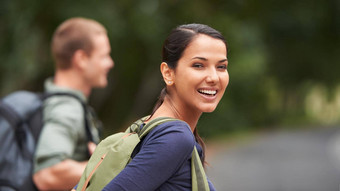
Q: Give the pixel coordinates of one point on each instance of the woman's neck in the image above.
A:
(170, 109)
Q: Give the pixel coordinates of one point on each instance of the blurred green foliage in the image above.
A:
(279, 52)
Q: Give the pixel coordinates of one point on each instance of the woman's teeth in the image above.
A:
(208, 92)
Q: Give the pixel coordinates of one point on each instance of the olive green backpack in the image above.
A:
(114, 153)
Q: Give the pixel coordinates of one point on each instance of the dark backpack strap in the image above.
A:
(83, 104)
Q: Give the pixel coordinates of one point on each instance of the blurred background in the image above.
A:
(284, 60)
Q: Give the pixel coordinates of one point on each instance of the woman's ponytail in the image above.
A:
(159, 101)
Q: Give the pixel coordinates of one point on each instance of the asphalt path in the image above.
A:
(290, 160)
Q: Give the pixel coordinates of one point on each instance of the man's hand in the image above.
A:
(91, 146)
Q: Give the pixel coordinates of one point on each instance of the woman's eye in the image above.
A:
(223, 67)
(197, 65)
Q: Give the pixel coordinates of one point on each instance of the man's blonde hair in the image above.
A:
(72, 35)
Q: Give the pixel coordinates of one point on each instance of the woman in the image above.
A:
(194, 69)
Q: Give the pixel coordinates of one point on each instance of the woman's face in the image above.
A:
(201, 75)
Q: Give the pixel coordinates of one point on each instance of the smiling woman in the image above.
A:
(194, 69)
(200, 77)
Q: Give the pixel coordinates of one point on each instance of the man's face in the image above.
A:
(99, 62)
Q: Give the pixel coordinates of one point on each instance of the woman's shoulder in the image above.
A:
(177, 126)
(173, 132)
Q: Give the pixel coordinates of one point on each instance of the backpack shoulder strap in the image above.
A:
(83, 104)
(153, 123)
(198, 177)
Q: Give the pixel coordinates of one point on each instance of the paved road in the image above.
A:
(300, 160)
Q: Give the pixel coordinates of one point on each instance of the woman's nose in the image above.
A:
(212, 76)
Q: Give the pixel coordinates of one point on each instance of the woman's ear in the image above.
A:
(167, 73)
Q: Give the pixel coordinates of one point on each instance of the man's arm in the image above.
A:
(54, 168)
(62, 176)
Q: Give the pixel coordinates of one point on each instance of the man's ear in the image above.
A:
(79, 59)
(167, 73)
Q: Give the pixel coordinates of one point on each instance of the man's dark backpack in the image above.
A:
(21, 121)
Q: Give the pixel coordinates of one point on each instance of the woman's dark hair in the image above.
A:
(173, 48)
(181, 37)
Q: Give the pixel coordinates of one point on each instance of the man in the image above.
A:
(81, 51)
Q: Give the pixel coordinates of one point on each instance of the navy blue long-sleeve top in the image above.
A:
(162, 163)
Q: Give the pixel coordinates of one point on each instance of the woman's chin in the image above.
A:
(209, 109)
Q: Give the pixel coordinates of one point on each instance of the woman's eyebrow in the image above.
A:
(224, 60)
(204, 59)
(200, 58)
